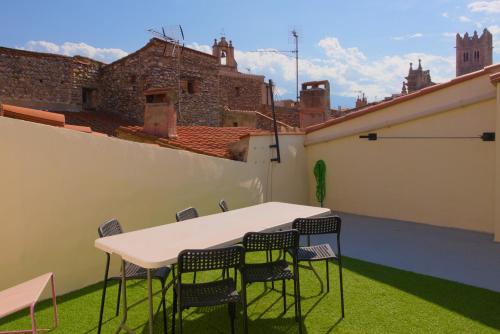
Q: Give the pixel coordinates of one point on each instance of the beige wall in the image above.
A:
(444, 182)
(57, 186)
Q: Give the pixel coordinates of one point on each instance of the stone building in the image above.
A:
(417, 79)
(473, 53)
(48, 81)
(203, 84)
(314, 106)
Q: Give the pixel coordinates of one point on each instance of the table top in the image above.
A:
(159, 246)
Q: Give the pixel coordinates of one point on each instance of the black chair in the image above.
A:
(223, 206)
(217, 292)
(278, 270)
(321, 252)
(132, 272)
(186, 214)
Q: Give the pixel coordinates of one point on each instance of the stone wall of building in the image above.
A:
(240, 91)
(287, 115)
(123, 83)
(45, 81)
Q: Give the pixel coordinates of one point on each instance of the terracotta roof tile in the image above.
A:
(213, 141)
(42, 117)
(101, 122)
(33, 115)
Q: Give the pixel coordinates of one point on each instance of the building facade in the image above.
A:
(202, 84)
(473, 53)
(417, 79)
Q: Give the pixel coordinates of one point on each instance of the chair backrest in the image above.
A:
(320, 225)
(223, 205)
(110, 228)
(267, 241)
(193, 260)
(186, 214)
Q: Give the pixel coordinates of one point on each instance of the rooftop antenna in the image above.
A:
(296, 51)
(175, 37)
(295, 36)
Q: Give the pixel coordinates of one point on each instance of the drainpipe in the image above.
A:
(276, 144)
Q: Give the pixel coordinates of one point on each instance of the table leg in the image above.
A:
(150, 300)
(124, 298)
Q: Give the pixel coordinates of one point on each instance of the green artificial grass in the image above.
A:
(378, 299)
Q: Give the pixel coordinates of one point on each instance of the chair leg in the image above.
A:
(194, 278)
(164, 307)
(244, 302)
(118, 299)
(299, 307)
(271, 260)
(174, 308)
(180, 320)
(284, 296)
(341, 288)
(103, 298)
(327, 277)
(232, 313)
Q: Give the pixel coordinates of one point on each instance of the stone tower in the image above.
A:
(417, 79)
(474, 53)
(224, 51)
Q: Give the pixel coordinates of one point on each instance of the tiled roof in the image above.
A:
(41, 116)
(99, 121)
(214, 141)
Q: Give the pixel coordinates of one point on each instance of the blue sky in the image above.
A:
(357, 45)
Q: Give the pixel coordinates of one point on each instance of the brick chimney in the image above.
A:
(160, 117)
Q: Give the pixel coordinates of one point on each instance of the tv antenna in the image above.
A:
(295, 36)
(174, 37)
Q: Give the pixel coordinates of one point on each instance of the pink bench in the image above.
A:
(26, 295)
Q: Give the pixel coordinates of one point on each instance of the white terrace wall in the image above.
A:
(444, 182)
(57, 186)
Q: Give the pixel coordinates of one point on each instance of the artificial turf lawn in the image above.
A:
(378, 299)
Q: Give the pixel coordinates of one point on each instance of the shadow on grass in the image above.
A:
(478, 304)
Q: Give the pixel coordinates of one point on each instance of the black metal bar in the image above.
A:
(275, 125)
(486, 136)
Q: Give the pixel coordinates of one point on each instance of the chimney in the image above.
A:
(160, 117)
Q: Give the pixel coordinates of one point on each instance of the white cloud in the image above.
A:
(485, 6)
(495, 31)
(449, 34)
(445, 14)
(200, 47)
(410, 36)
(348, 69)
(71, 49)
(464, 19)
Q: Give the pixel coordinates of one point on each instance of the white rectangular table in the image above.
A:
(159, 246)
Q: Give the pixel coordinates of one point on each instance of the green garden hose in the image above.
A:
(319, 174)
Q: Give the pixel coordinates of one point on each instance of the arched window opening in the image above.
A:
(223, 58)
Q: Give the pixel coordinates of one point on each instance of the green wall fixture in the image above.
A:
(319, 174)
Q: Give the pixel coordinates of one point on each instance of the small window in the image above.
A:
(223, 58)
(235, 124)
(190, 86)
(466, 56)
(237, 91)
